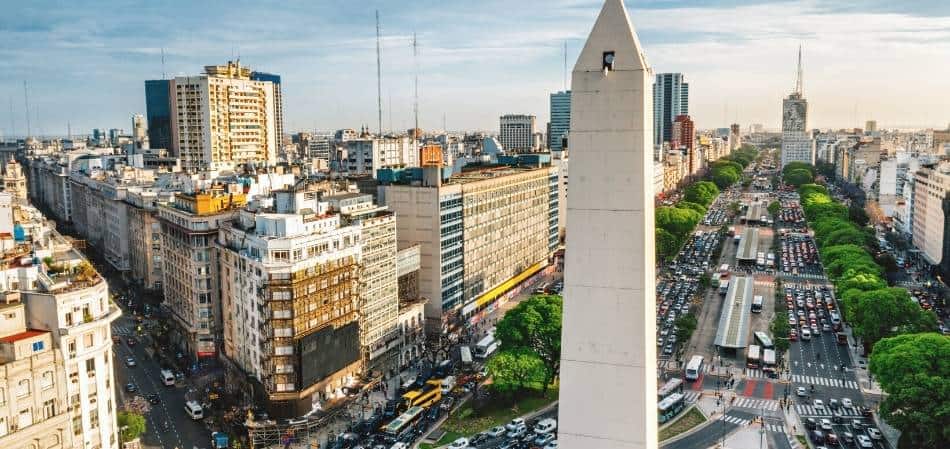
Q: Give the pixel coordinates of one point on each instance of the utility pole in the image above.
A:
(163, 63)
(379, 75)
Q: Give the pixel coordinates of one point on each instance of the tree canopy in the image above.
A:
(796, 165)
(774, 208)
(666, 244)
(516, 370)
(131, 426)
(914, 370)
(694, 206)
(798, 177)
(885, 312)
(535, 325)
(702, 192)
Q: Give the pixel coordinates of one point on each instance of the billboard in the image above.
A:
(326, 351)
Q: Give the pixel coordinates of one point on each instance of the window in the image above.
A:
(77, 424)
(25, 419)
(72, 349)
(23, 388)
(49, 409)
(3, 427)
(94, 419)
(91, 367)
(88, 340)
(47, 381)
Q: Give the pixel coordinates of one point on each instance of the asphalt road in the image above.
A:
(181, 430)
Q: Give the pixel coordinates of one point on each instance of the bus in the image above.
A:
(694, 367)
(768, 360)
(668, 408)
(672, 386)
(466, 355)
(764, 339)
(403, 422)
(429, 394)
(486, 346)
(757, 304)
(752, 357)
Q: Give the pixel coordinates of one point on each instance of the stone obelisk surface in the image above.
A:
(608, 362)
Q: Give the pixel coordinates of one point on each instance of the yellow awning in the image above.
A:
(502, 288)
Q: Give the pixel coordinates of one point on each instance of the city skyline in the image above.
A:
(87, 69)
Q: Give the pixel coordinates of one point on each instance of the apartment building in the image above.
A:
(290, 269)
(365, 155)
(145, 236)
(190, 282)
(33, 396)
(224, 117)
(481, 232)
(68, 310)
(14, 180)
(931, 187)
(517, 133)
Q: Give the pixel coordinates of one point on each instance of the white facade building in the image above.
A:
(517, 133)
(366, 155)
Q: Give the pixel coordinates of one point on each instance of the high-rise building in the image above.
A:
(293, 268)
(670, 99)
(608, 361)
(517, 133)
(367, 154)
(798, 145)
(223, 117)
(735, 138)
(683, 133)
(158, 114)
(482, 232)
(870, 126)
(190, 284)
(139, 132)
(560, 120)
(931, 186)
(278, 110)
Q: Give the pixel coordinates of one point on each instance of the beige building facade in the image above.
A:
(931, 185)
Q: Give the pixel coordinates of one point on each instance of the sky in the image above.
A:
(86, 62)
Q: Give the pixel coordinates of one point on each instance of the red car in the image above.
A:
(131, 342)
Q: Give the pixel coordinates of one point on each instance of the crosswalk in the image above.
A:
(756, 373)
(758, 404)
(775, 428)
(824, 381)
(735, 420)
(810, 410)
(125, 330)
(692, 395)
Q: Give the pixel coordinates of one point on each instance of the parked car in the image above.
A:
(874, 433)
(461, 443)
(515, 423)
(496, 431)
(130, 362)
(864, 441)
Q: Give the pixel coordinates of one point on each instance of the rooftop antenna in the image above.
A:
(69, 130)
(379, 76)
(12, 120)
(415, 96)
(799, 89)
(163, 63)
(26, 102)
(565, 66)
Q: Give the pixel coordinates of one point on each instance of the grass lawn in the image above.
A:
(465, 422)
(688, 420)
(801, 439)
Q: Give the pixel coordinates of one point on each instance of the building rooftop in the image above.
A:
(29, 333)
(748, 244)
(473, 173)
(733, 329)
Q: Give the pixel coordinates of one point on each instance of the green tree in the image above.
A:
(794, 166)
(888, 262)
(798, 177)
(678, 222)
(780, 329)
(667, 244)
(534, 325)
(861, 282)
(131, 426)
(734, 208)
(914, 370)
(692, 206)
(877, 314)
(515, 370)
(825, 169)
(725, 177)
(702, 192)
(774, 208)
(845, 236)
(858, 216)
(685, 325)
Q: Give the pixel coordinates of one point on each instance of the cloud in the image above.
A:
(479, 60)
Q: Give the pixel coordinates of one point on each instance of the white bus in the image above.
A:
(752, 357)
(466, 354)
(757, 304)
(694, 367)
(768, 360)
(486, 346)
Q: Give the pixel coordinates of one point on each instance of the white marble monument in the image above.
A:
(608, 361)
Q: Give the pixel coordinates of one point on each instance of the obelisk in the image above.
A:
(608, 361)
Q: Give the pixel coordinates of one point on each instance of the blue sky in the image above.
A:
(874, 59)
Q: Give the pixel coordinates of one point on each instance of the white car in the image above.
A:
(826, 424)
(801, 391)
(515, 423)
(399, 445)
(874, 433)
(460, 443)
(129, 361)
(818, 404)
(847, 403)
(496, 431)
(864, 441)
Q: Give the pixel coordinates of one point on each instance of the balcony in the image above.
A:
(86, 325)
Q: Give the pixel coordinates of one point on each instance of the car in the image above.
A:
(399, 445)
(833, 403)
(517, 432)
(495, 432)
(153, 398)
(551, 445)
(825, 424)
(818, 404)
(831, 439)
(668, 349)
(515, 423)
(460, 443)
(547, 425)
(847, 437)
(857, 424)
(447, 403)
(811, 423)
(130, 362)
(131, 342)
(874, 433)
(544, 439)
(846, 402)
(131, 388)
(509, 444)
(864, 441)
(801, 392)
